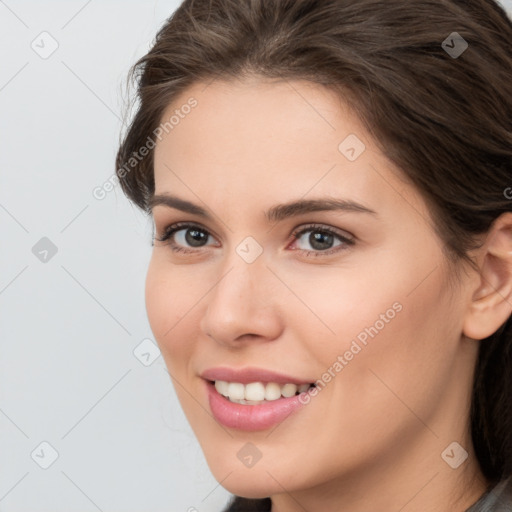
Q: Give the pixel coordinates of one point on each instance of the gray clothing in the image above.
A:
(498, 499)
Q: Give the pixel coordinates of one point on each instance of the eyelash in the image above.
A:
(173, 228)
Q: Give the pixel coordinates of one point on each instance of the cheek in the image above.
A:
(403, 363)
(157, 299)
(167, 307)
(395, 330)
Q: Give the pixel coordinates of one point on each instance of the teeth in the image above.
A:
(236, 390)
(222, 387)
(289, 390)
(256, 392)
(272, 391)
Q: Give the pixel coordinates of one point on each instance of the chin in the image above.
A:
(245, 488)
(247, 483)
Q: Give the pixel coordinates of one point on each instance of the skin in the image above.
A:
(372, 439)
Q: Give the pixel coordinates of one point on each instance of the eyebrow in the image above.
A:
(274, 214)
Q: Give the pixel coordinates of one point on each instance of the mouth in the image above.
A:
(251, 415)
(257, 393)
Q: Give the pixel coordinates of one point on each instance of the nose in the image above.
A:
(243, 305)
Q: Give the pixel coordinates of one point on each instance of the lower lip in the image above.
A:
(251, 417)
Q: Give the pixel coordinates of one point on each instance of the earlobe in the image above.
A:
(491, 302)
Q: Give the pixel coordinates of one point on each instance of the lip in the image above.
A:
(252, 417)
(250, 374)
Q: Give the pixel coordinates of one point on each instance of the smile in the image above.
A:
(251, 415)
(256, 393)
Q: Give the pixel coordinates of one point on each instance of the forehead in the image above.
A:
(239, 115)
(261, 140)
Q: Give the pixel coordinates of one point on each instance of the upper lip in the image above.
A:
(250, 374)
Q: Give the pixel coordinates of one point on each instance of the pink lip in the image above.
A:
(250, 374)
(251, 417)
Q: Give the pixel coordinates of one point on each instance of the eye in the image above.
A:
(192, 234)
(321, 238)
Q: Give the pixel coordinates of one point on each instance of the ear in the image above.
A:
(491, 302)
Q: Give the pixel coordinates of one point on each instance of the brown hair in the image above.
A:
(444, 119)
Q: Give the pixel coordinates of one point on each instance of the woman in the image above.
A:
(331, 279)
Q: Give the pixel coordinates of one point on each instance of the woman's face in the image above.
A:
(364, 310)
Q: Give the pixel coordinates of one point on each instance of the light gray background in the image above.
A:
(69, 325)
